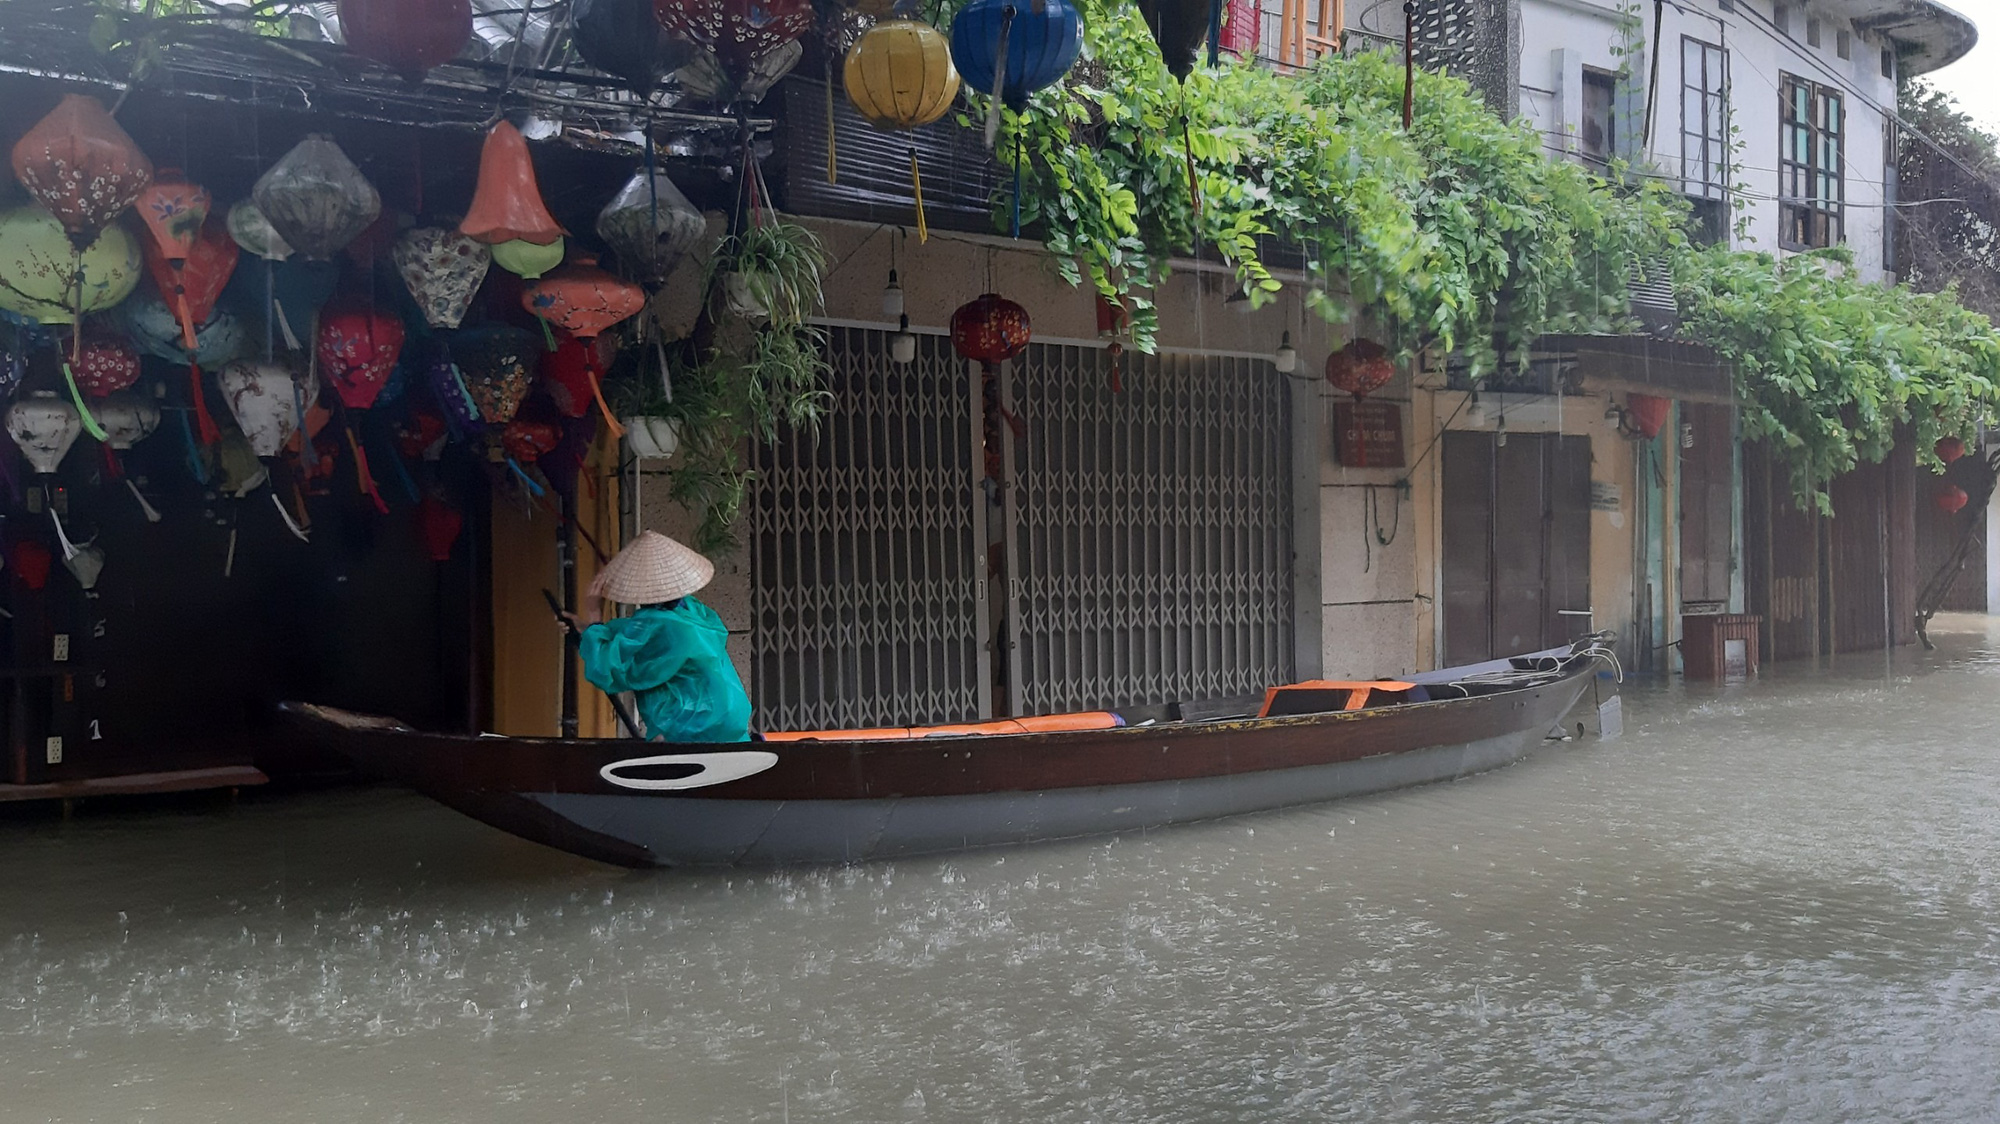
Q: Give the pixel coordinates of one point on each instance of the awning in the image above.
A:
(1686, 372)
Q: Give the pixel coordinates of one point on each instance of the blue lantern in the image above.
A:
(1039, 40)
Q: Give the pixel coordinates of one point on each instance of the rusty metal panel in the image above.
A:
(1569, 540)
(1708, 547)
(1861, 601)
(1785, 546)
(1467, 547)
(1516, 549)
(1520, 545)
(1936, 534)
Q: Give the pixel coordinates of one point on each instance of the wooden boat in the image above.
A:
(848, 796)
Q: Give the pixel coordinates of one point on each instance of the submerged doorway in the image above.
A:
(1516, 543)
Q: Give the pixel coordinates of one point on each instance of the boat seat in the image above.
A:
(1319, 696)
(1035, 724)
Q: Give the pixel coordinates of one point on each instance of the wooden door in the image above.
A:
(1516, 543)
(1708, 522)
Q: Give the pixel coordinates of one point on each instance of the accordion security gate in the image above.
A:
(1151, 533)
(1147, 540)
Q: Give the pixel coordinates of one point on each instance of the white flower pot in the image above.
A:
(652, 437)
(742, 300)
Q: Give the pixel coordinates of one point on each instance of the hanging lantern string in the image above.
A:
(534, 489)
(204, 422)
(69, 549)
(152, 513)
(197, 465)
(1214, 33)
(917, 190)
(832, 168)
(1187, 146)
(1409, 61)
(290, 523)
(76, 356)
(999, 77)
(1019, 155)
(364, 478)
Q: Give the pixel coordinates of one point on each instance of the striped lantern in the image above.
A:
(899, 76)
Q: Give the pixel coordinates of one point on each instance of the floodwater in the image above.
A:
(1767, 902)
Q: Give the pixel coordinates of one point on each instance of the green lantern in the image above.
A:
(525, 259)
(38, 267)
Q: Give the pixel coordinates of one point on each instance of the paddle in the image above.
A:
(570, 631)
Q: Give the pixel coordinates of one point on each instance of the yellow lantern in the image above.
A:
(899, 76)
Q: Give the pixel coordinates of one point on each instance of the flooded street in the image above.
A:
(1771, 902)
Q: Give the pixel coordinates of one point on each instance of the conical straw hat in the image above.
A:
(651, 569)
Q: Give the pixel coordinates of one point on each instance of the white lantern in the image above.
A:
(127, 420)
(44, 426)
(263, 398)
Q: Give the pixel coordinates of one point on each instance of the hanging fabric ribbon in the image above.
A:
(1215, 33)
(210, 432)
(90, 425)
(69, 549)
(362, 476)
(152, 513)
(832, 167)
(917, 189)
(534, 489)
(290, 524)
(197, 464)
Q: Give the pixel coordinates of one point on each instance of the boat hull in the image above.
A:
(627, 802)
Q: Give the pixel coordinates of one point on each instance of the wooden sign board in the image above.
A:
(1368, 434)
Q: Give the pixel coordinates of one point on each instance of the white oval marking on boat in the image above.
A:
(716, 768)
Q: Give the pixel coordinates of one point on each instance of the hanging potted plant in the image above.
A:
(646, 411)
(770, 271)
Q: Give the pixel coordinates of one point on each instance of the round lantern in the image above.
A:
(650, 225)
(525, 259)
(493, 360)
(584, 300)
(569, 373)
(80, 165)
(507, 203)
(1648, 413)
(358, 347)
(990, 330)
(252, 231)
(173, 210)
(193, 282)
(38, 268)
(104, 363)
(1950, 499)
(443, 270)
(1360, 368)
(623, 38)
(736, 32)
(263, 398)
(1040, 40)
(407, 36)
(127, 419)
(44, 426)
(899, 74)
(707, 79)
(316, 199)
(1949, 448)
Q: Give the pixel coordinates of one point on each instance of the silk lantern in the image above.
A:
(39, 267)
(263, 397)
(438, 525)
(358, 347)
(316, 199)
(568, 373)
(423, 436)
(253, 232)
(584, 300)
(443, 270)
(193, 282)
(1950, 499)
(493, 360)
(44, 427)
(507, 203)
(277, 301)
(460, 412)
(1178, 27)
(708, 79)
(1949, 448)
(990, 330)
(105, 362)
(526, 260)
(1648, 413)
(32, 563)
(736, 32)
(82, 167)
(1011, 51)
(173, 211)
(407, 36)
(1360, 368)
(623, 38)
(527, 440)
(128, 419)
(156, 329)
(650, 226)
(899, 75)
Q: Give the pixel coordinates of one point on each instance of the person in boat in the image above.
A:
(672, 652)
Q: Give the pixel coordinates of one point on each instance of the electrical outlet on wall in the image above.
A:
(55, 751)
(62, 647)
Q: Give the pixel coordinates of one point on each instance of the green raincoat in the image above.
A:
(676, 663)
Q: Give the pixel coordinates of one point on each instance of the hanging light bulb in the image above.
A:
(1500, 432)
(1475, 414)
(892, 299)
(902, 345)
(1287, 358)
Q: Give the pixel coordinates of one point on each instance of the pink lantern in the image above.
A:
(105, 362)
(80, 165)
(358, 348)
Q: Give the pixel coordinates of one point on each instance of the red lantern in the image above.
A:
(105, 362)
(173, 210)
(737, 32)
(192, 284)
(439, 524)
(990, 330)
(1360, 368)
(422, 437)
(407, 36)
(1950, 499)
(528, 441)
(1648, 413)
(507, 205)
(570, 372)
(1950, 449)
(80, 165)
(584, 300)
(32, 562)
(358, 348)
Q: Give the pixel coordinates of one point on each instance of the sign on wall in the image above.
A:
(1368, 434)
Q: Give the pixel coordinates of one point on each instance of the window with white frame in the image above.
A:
(1812, 130)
